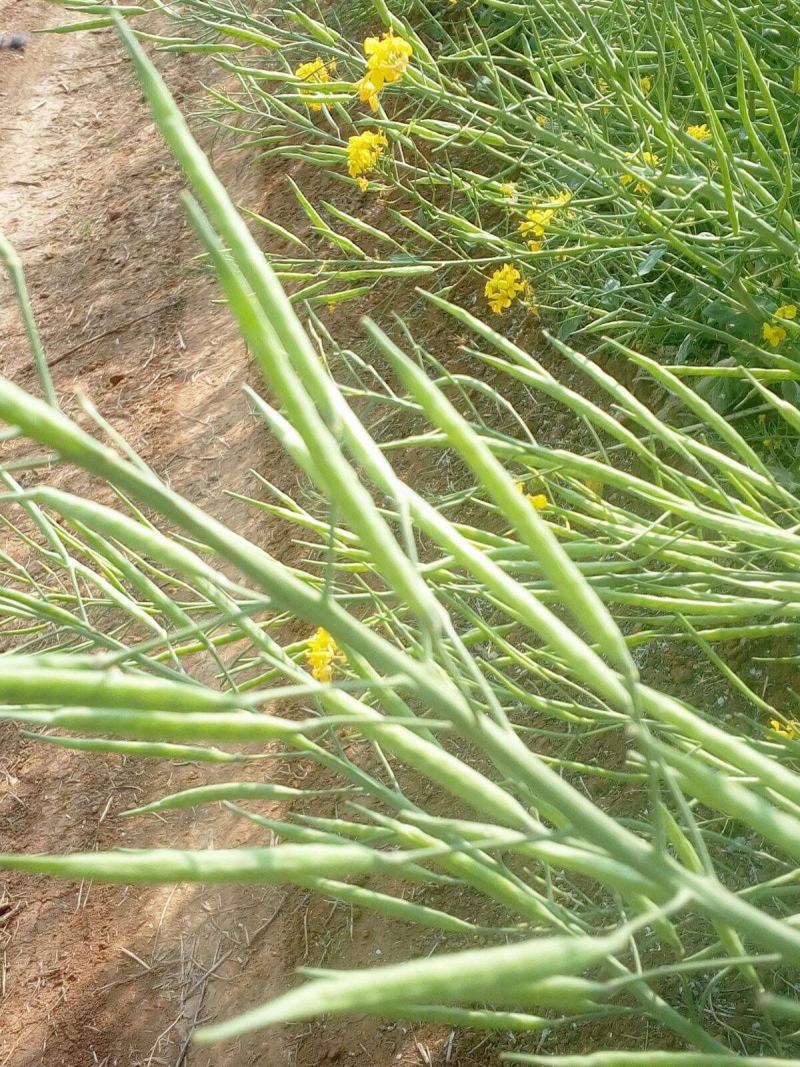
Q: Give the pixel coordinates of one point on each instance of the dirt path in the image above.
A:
(110, 976)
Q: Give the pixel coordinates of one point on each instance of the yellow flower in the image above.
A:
(539, 500)
(388, 56)
(537, 219)
(509, 190)
(504, 287)
(363, 152)
(773, 335)
(322, 654)
(367, 92)
(603, 87)
(535, 222)
(700, 133)
(648, 159)
(645, 85)
(786, 311)
(315, 73)
(789, 731)
(541, 121)
(559, 204)
(387, 60)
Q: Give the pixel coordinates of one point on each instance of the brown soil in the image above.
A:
(91, 975)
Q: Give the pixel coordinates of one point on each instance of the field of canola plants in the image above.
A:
(550, 515)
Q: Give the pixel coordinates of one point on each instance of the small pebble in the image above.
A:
(16, 42)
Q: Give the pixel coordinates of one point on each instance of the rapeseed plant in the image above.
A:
(501, 654)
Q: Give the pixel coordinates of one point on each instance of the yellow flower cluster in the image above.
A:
(771, 332)
(647, 159)
(700, 133)
(645, 85)
(387, 60)
(537, 219)
(791, 731)
(363, 152)
(315, 73)
(539, 500)
(322, 654)
(503, 288)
